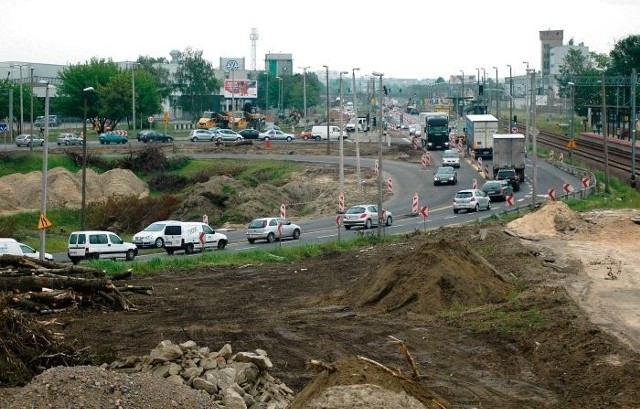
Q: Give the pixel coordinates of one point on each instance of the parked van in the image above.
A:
(95, 244)
(153, 234)
(191, 237)
(319, 132)
(14, 247)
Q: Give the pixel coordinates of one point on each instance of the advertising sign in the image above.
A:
(240, 89)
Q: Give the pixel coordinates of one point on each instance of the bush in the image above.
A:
(129, 214)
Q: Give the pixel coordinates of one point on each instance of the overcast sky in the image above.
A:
(403, 39)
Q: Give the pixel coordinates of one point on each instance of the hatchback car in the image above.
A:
(200, 135)
(451, 158)
(471, 200)
(276, 135)
(445, 175)
(69, 139)
(108, 138)
(249, 133)
(306, 134)
(221, 135)
(272, 229)
(29, 140)
(365, 216)
(153, 136)
(497, 190)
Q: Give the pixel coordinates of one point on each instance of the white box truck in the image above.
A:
(478, 132)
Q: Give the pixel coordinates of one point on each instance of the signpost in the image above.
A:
(150, 119)
(338, 223)
(424, 211)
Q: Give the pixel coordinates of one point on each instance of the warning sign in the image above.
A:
(43, 222)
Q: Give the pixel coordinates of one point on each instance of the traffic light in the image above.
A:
(374, 121)
(386, 91)
(481, 90)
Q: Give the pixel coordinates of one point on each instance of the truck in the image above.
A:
(509, 158)
(478, 132)
(436, 130)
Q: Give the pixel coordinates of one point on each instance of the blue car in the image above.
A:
(113, 137)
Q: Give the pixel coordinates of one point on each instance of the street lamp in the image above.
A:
(45, 165)
(341, 139)
(605, 137)
(326, 67)
(497, 99)
(573, 92)
(21, 98)
(355, 114)
(380, 130)
(279, 94)
(511, 99)
(83, 204)
(461, 106)
(304, 91)
(133, 95)
(31, 82)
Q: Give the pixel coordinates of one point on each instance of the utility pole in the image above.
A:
(380, 130)
(340, 138)
(534, 134)
(326, 67)
(632, 125)
(604, 135)
(355, 113)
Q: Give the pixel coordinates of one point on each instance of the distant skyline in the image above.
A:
(402, 40)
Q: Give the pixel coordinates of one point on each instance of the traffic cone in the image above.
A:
(267, 143)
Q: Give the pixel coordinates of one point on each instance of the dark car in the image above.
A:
(497, 190)
(113, 137)
(511, 176)
(445, 175)
(153, 136)
(249, 133)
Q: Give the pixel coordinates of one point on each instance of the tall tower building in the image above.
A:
(254, 44)
(548, 40)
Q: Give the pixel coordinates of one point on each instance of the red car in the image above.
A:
(306, 134)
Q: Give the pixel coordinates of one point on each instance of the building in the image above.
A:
(278, 64)
(559, 53)
(548, 40)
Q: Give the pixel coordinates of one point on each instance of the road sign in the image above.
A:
(280, 229)
(514, 129)
(552, 194)
(3, 127)
(376, 166)
(390, 185)
(567, 188)
(43, 222)
(424, 211)
(510, 200)
(585, 182)
(535, 131)
(571, 144)
(165, 117)
(414, 205)
(474, 184)
(151, 119)
(338, 220)
(341, 203)
(283, 210)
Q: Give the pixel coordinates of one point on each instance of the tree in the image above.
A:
(161, 75)
(196, 81)
(625, 56)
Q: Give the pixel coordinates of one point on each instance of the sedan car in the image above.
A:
(200, 135)
(249, 133)
(221, 135)
(445, 175)
(365, 216)
(29, 140)
(497, 190)
(69, 139)
(153, 136)
(272, 229)
(451, 158)
(108, 138)
(471, 200)
(276, 135)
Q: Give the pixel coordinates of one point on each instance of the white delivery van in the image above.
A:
(319, 132)
(95, 244)
(153, 234)
(191, 237)
(14, 247)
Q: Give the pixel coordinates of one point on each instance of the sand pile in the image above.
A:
(552, 218)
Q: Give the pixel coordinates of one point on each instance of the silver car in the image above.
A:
(69, 139)
(29, 140)
(220, 135)
(272, 229)
(471, 200)
(365, 216)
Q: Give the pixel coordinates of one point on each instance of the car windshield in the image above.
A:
(356, 210)
(464, 195)
(258, 224)
(450, 154)
(506, 173)
(155, 227)
(493, 185)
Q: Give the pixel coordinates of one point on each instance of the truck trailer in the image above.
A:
(478, 132)
(509, 155)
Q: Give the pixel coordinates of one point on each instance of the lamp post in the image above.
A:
(326, 67)
(279, 94)
(304, 92)
(478, 79)
(497, 99)
(83, 204)
(21, 98)
(633, 126)
(45, 165)
(340, 138)
(355, 113)
(573, 93)
(380, 130)
(461, 102)
(511, 99)
(605, 137)
(31, 127)
(133, 95)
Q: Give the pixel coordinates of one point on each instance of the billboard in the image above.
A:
(240, 88)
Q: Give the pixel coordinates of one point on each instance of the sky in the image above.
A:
(404, 39)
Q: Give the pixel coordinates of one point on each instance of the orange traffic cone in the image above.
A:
(267, 143)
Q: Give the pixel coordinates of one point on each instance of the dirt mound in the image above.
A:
(432, 277)
(21, 192)
(552, 218)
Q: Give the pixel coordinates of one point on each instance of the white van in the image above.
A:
(95, 244)
(191, 237)
(14, 247)
(319, 132)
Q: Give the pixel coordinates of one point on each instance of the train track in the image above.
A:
(590, 151)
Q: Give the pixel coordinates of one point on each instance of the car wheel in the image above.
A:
(188, 248)
(130, 255)
(455, 211)
(367, 224)
(74, 260)
(66, 143)
(389, 221)
(271, 238)
(266, 138)
(194, 139)
(28, 144)
(159, 242)
(219, 140)
(489, 205)
(318, 138)
(347, 227)
(296, 234)
(289, 139)
(477, 208)
(251, 241)
(238, 139)
(169, 139)
(222, 244)
(169, 251)
(42, 143)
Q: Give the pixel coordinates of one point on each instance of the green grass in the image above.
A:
(25, 162)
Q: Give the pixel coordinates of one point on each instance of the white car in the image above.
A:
(451, 158)
(98, 244)
(471, 200)
(365, 216)
(276, 135)
(14, 247)
(272, 229)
